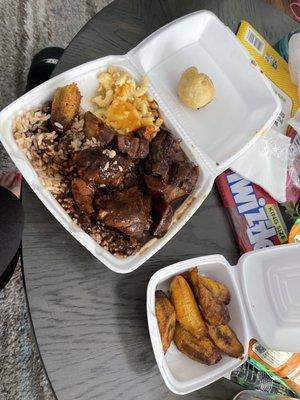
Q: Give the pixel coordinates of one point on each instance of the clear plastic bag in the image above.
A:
(257, 395)
(249, 376)
(293, 177)
(266, 164)
(294, 59)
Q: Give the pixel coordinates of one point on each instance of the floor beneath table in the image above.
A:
(282, 5)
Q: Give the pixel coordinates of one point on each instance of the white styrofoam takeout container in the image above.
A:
(244, 107)
(265, 305)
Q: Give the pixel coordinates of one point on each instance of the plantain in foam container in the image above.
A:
(186, 308)
(166, 318)
(201, 350)
(226, 340)
(217, 289)
(213, 310)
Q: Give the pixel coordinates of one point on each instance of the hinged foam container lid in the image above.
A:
(270, 283)
(242, 92)
(265, 305)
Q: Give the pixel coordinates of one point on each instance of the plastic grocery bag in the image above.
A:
(258, 395)
(294, 159)
(294, 60)
(266, 163)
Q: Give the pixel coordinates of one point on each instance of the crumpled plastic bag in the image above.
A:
(266, 163)
(294, 60)
(294, 158)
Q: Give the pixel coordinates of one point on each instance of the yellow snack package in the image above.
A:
(275, 68)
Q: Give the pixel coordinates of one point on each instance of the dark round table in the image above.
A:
(90, 323)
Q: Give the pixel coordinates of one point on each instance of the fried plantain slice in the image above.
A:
(226, 340)
(65, 106)
(201, 350)
(166, 318)
(218, 289)
(185, 275)
(187, 311)
(213, 310)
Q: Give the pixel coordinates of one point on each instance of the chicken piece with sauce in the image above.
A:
(129, 212)
(94, 127)
(83, 195)
(103, 167)
(169, 173)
